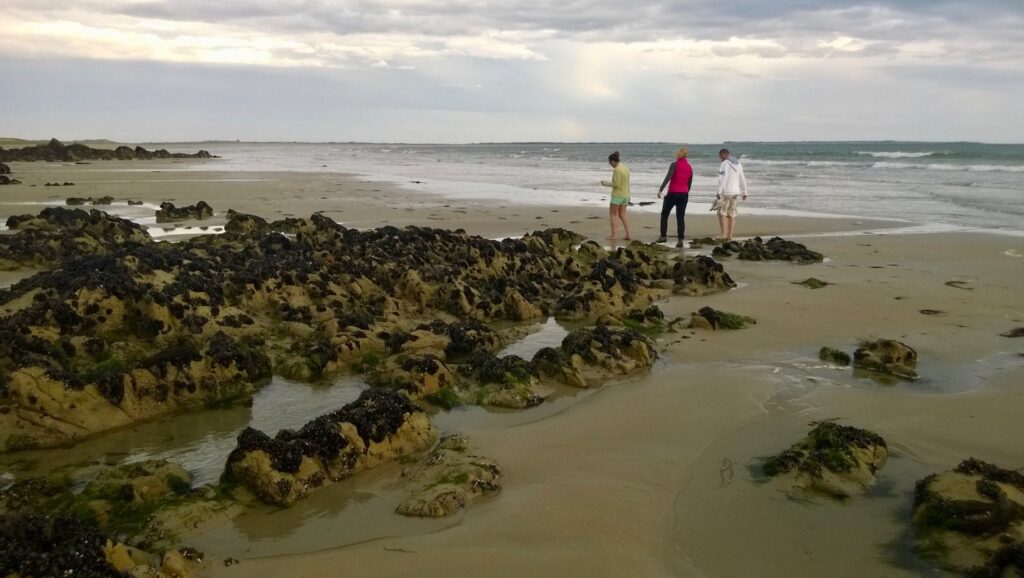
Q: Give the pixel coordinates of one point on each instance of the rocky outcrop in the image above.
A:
(613, 351)
(111, 515)
(649, 321)
(699, 276)
(78, 201)
(6, 180)
(126, 328)
(1017, 332)
(449, 479)
(708, 318)
(972, 519)
(776, 249)
(836, 460)
(500, 381)
(33, 545)
(4, 169)
(833, 355)
(379, 426)
(168, 213)
(813, 283)
(887, 356)
(58, 151)
(419, 375)
(59, 235)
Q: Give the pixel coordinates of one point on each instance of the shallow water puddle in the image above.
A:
(550, 334)
(199, 441)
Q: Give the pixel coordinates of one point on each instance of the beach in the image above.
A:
(657, 473)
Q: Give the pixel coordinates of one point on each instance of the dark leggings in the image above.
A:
(677, 200)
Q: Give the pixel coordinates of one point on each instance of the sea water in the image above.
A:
(970, 185)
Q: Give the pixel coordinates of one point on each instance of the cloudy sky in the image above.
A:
(484, 70)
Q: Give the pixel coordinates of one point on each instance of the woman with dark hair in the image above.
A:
(620, 194)
(679, 179)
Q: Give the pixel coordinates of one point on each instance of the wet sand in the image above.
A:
(656, 475)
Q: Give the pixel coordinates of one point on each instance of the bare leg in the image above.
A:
(611, 219)
(721, 227)
(730, 226)
(625, 221)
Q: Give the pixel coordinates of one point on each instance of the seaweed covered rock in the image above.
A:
(58, 235)
(37, 546)
(611, 350)
(555, 364)
(649, 321)
(379, 426)
(4, 169)
(813, 283)
(245, 224)
(125, 327)
(417, 375)
(833, 355)
(972, 519)
(168, 213)
(610, 286)
(833, 459)
(48, 405)
(42, 546)
(708, 318)
(887, 356)
(500, 381)
(448, 479)
(776, 249)
(6, 180)
(58, 151)
(700, 275)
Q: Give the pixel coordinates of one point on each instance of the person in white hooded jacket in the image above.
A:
(731, 184)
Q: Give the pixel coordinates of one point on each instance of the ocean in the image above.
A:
(952, 185)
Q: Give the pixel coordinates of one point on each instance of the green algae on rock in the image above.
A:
(379, 426)
(813, 283)
(833, 459)
(887, 356)
(833, 355)
(708, 318)
(168, 213)
(971, 519)
(448, 479)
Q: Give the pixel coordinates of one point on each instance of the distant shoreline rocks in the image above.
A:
(55, 151)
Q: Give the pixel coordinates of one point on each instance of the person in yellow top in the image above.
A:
(620, 194)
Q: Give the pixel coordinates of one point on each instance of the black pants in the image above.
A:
(677, 200)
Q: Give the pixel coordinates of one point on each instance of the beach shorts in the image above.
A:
(727, 206)
(620, 200)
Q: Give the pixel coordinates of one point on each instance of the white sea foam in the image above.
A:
(950, 167)
(895, 155)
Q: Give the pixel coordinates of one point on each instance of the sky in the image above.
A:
(533, 70)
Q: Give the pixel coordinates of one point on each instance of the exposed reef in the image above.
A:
(833, 459)
(58, 151)
(971, 519)
(125, 328)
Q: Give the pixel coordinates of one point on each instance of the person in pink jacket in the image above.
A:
(679, 179)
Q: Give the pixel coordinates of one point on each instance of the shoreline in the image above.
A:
(629, 478)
